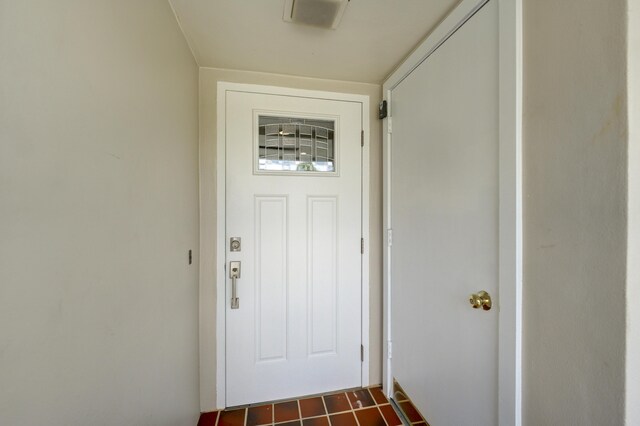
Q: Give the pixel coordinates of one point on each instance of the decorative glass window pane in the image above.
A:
(293, 144)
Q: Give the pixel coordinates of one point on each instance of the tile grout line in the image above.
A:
(324, 404)
(384, 419)
(353, 410)
(349, 410)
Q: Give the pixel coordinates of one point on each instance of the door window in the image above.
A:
(295, 145)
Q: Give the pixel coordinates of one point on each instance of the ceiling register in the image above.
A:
(317, 13)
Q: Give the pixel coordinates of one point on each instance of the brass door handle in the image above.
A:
(480, 300)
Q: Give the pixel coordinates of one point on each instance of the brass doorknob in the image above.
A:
(480, 300)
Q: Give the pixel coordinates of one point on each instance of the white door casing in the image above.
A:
(462, 87)
(299, 327)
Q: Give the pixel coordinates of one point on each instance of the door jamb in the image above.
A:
(220, 256)
(510, 196)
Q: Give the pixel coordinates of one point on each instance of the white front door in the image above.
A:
(293, 198)
(444, 171)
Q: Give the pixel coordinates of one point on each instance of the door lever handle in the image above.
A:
(234, 274)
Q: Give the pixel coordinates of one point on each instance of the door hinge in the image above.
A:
(362, 353)
(382, 110)
(389, 350)
(361, 245)
(361, 137)
(389, 237)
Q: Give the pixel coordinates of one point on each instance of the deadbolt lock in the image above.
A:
(234, 244)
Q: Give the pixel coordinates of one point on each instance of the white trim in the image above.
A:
(387, 374)
(221, 299)
(366, 174)
(510, 211)
(220, 260)
(457, 17)
(510, 193)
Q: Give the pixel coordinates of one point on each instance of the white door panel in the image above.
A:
(298, 327)
(444, 215)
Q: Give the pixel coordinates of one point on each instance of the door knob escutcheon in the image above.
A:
(482, 299)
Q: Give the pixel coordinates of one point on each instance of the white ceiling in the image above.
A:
(372, 39)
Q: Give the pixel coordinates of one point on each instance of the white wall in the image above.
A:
(633, 254)
(209, 78)
(98, 208)
(575, 164)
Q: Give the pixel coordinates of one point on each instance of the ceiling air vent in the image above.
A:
(318, 13)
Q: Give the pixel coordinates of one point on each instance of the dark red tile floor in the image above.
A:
(359, 407)
(409, 411)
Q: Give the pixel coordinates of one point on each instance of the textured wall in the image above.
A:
(98, 208)
(209, 78)
(575, 154)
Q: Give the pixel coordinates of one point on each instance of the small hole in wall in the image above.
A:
(190, 258)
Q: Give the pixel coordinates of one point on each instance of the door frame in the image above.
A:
(220, 256)
(510, 195)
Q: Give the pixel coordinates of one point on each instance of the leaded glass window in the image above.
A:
(291, 144)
